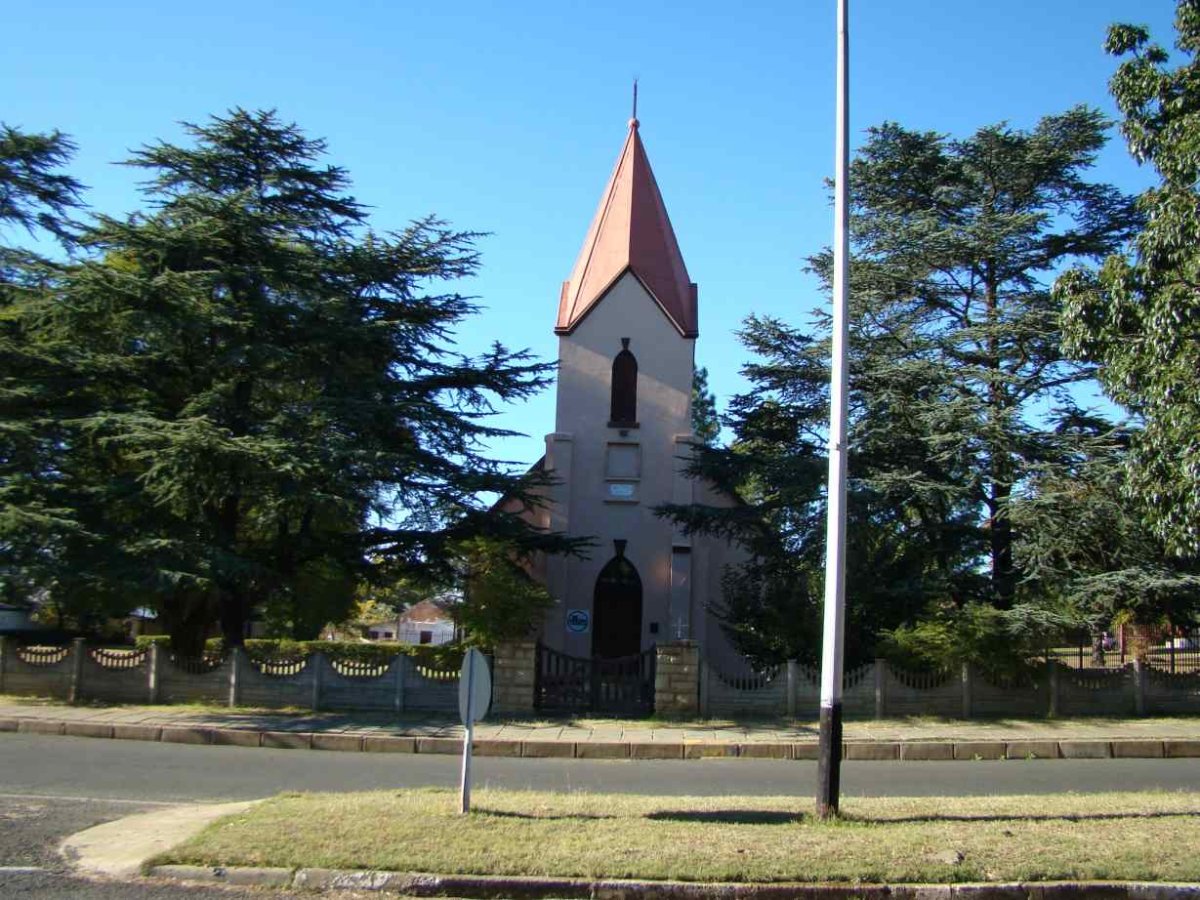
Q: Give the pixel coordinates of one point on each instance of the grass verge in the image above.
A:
(1118, 836)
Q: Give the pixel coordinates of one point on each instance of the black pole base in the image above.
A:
(829, 761)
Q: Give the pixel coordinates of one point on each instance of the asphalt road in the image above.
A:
(54, 786)
(136, 770)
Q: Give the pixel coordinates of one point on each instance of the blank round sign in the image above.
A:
(478, 683)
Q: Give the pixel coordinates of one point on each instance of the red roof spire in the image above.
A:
(631, 231)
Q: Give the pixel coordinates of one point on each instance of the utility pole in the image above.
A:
(829, 766)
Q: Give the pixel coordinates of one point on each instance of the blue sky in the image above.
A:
(507, 118)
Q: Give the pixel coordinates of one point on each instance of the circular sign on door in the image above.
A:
(578, 621)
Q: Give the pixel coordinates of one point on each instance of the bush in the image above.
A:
(978, 634)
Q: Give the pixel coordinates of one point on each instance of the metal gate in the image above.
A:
(623, 686)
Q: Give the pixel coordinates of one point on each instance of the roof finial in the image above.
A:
(633, 122)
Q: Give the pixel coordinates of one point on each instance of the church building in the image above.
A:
(627, 326)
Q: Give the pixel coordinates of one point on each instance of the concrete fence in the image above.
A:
(77, 673)
(881, 690)
(685, 685)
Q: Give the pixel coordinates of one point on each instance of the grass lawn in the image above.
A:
(1118, 836)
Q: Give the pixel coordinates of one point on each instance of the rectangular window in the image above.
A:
(426, 637)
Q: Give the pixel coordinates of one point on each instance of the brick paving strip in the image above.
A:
(870, 740)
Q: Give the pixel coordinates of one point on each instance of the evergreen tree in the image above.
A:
(272, 395)
(957, 378)
(1139, 317)
(36, 198)
(705, 423)
(1086, 552)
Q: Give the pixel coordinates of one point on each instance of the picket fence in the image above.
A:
(78, 673)
(881, 690)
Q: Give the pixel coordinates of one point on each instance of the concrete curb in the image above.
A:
(488, 887)
(918, 749)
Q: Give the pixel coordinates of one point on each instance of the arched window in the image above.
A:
(624, 387)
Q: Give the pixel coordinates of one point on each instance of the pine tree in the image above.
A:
(272, 395)
(1139, 318)
(957, 377)
(705, 423)
(36, 200)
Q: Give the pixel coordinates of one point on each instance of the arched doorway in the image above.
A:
(617, 610)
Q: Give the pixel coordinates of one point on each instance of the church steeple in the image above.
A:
(630, 232)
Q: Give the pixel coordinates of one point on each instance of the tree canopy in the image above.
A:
(957, 379)
(1139, 317)
(264, 397)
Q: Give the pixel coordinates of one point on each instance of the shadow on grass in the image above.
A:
(1021, 819)
(783, 817)
(549, 817)
(731, 816)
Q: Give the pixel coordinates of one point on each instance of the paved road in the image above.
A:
(135, 770)
(54, 786)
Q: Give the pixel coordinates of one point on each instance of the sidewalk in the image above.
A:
(906, 739)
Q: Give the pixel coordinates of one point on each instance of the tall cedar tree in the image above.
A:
(1139, 317)
(705, 423)
(957, 378)
(272, 393)
(36, 199)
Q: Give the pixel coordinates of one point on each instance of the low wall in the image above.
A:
(79, 673)
(881, 690)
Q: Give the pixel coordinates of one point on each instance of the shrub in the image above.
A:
(978, 634)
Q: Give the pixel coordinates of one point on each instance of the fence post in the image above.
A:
(316, 662)
(1139, 688)
(75, 691)
(402, 663)
(793, 686)
(676, 679)
(5, 649)
(514, 679)
(1052, 666)
(880, 688)
(967, 689)
(154, 673)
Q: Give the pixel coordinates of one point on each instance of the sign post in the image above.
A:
(474, 697)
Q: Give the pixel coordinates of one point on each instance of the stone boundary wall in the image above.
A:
(77, 673)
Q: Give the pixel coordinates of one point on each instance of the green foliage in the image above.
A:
(501, 601)
(33, 192)
(251, 399)
(34, 513)
(982, 635)
(1085, 546)
(705, 423)
(957, 384)
(1139, 317)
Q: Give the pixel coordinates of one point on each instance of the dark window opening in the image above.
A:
(624, 387)
(426, 637)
